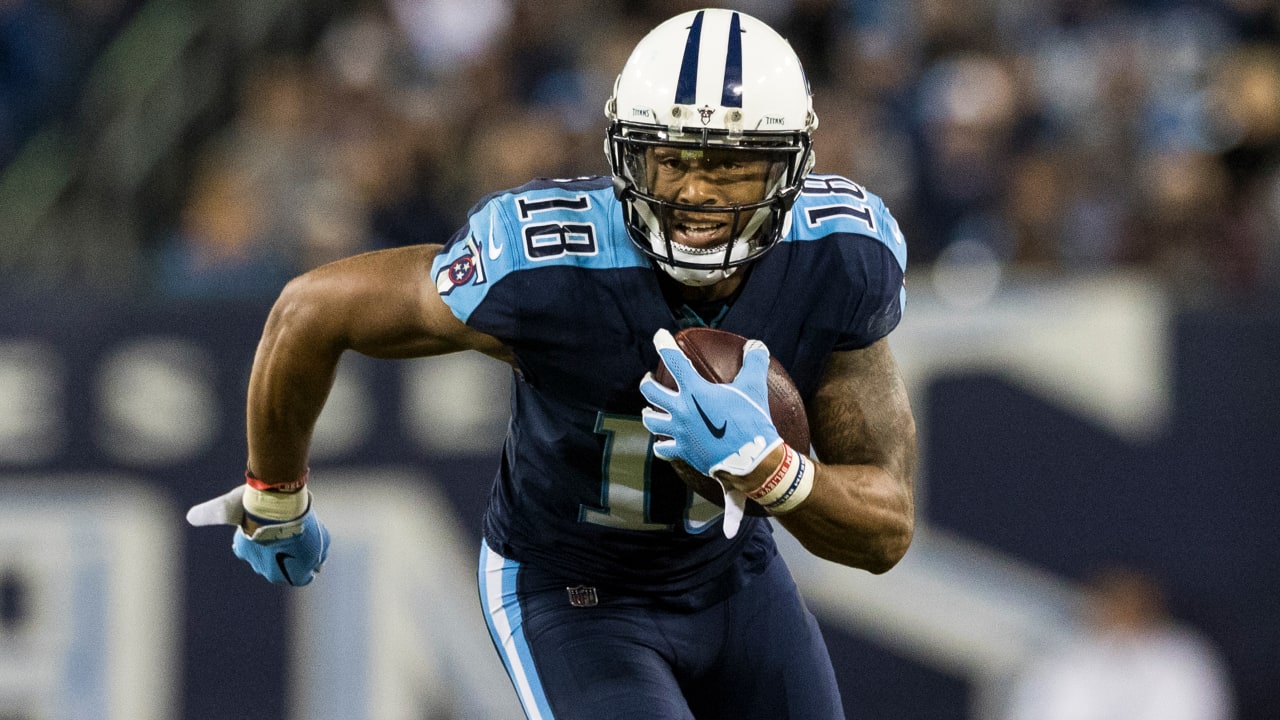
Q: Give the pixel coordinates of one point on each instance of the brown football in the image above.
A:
(717, 356)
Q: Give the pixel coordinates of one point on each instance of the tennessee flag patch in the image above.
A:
(466, 269)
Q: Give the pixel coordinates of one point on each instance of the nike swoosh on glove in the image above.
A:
(289, 552)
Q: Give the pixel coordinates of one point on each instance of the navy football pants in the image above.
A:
(756, 656)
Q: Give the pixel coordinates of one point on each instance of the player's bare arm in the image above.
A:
(861, 510)
(379, 304)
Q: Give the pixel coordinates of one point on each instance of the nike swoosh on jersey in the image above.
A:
(495, 251)
(716, 432)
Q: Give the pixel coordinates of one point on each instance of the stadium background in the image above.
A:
(1090, 194)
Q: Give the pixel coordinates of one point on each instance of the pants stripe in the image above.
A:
(502, 614)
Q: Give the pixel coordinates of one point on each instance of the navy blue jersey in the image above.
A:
(548, 269)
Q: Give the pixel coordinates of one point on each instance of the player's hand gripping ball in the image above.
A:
(717, 356)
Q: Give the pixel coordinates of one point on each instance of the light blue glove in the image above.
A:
(712, 427)
(288, 552)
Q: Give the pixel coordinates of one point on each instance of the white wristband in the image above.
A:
(788, 486)
(277, 506)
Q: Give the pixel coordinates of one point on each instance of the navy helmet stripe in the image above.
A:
(687, 86)
(732, 94)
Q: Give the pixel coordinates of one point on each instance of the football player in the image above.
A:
(611, 589)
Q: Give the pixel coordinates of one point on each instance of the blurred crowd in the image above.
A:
(1047, 138)
(46, 49)
(1130, 658)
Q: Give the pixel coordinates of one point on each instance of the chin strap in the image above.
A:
(695, 278)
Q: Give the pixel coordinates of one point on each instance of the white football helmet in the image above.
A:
(715, 81)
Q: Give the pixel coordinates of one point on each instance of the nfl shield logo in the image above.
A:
(582, 596)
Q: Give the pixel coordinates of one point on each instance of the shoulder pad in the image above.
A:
(540, 224)
(831, 204)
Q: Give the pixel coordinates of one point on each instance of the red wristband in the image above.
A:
(284, 487)
(788, 459)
